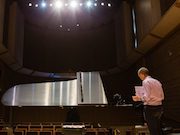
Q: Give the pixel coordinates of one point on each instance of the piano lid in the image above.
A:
(86, 89)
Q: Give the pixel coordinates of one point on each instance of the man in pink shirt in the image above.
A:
(152, 98)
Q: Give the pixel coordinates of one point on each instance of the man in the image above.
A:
(152, 98)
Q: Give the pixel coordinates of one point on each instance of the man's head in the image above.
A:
(143, 73)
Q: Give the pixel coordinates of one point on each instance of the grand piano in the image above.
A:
(79, 100)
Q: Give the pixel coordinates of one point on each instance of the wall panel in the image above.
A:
(165, 4)
(2, 3)
(164, 61)
(147, 15)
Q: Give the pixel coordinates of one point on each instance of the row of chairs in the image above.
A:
(56, 130)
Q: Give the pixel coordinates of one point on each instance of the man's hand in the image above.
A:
(136, 98)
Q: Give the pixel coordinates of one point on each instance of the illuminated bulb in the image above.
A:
(109, 5)
(89, 4)
(73, 4)
(30, 4)
(58, 4)
(80, 4)
(43, 4)
(77, 25)
(36, 5)
(95, 4)
(60, 26)
(50, 4)
(102, 4)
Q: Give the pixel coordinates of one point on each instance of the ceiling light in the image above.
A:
(89, 4)
(36, 5)
(58, 4)
(109, 4)
(102, 4)
(73, 4)
(30, 4)
(43, 4)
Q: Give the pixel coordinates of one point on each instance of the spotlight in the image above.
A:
(36, 5)
(89, 4)
(80, 4)
(43, 4)
(50, 4)
(58, 4)
(73, 4)
(30, 4)
(109, 4)
(95, 4)
(102, 4)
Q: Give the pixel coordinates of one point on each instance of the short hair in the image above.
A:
(143, 70)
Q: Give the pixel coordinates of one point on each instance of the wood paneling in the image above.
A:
(165, 4)
(164, 61)
(147, 15)
(106, 116)
(16, 33)
(2, 3)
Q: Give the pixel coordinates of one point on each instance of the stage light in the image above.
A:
(89, 4)
(102, 4)
(50, 4)
(95, 4)
(36, 5)
(78, 25)
(109, 4)
(43, 4)
(80, 4)
(30, 4)
(60, 26)
(73, 4)
(58, 4)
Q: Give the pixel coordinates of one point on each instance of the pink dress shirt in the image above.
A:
(153, 92)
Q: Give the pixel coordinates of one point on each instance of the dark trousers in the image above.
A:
(152, 116)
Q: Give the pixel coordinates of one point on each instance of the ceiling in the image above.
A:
(69, 39)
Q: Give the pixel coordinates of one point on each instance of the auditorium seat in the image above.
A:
(1, 127)
(59, 133)
(45, 133)
(21, 129)
(16, 132)
(48, 128)
(90, 133)
(32, 133)
(57, 127)
(3, 132)
(141, 130)
(35, 127)
(103, 133)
